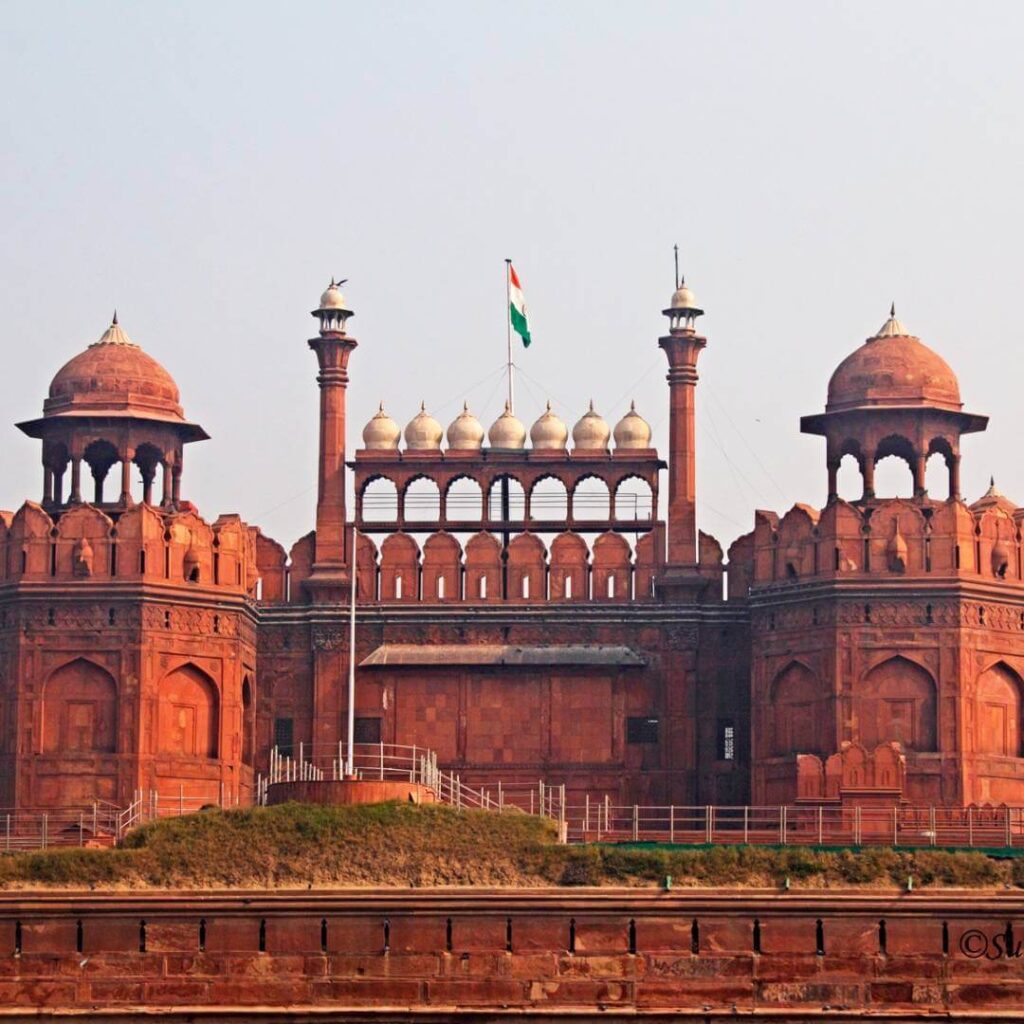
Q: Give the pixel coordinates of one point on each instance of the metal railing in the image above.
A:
(95, 824)
(397, 762)
(800, 825)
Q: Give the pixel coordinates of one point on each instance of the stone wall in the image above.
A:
(515, 953)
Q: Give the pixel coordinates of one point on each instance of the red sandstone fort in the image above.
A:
(522, 609)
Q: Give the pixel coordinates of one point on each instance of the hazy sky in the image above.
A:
(206, 168)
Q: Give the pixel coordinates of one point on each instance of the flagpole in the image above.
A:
(508, 327)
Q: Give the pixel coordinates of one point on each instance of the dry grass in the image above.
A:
(398, 844)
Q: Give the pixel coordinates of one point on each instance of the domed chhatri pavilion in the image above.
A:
(528, 604)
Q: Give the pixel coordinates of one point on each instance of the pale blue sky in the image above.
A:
(207, 167)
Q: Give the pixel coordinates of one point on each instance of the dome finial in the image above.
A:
(113, 322)
(892, 309)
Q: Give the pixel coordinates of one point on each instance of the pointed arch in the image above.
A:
(188, 713)
(896, 702)
(998, 718)
(799, 713)
(80, 710)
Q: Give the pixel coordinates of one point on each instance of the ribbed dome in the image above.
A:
(507, 431)
(382, 433)
(332, 297)
(466, 432)
(591, 432)
(683, 298)
(632, 431)
(114, 376)
(994, 498)
(423, 433)
(549, 432)
(893, 369)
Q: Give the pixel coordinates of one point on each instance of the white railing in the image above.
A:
(28, 828)
(801, 825)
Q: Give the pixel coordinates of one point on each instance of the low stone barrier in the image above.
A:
(396, 955)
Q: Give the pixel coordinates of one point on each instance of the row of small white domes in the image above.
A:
(466, 432)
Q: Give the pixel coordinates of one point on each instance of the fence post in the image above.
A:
(1009, 834)
(931, 823)
(44, 830)
(561, 811)
(636, 823)
(607, 802)
(671, 823)
(501, 798)
(586, 815)
(782, 825)
(8, 833)
(895, 828)
(709, 824)
(856, 826)
(821, 837)
(381, 760)
(746, 825)
(970, 826)
(81, 829)
(95, 821)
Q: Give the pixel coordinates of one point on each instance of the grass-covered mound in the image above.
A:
(398, 844)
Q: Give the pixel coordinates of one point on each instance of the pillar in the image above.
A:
(176, 484)
(167, 486)
(833, 482)
(954, 478)
(126, 478)
(868, 472)
(76, 480)
(683, 348)
(918, 467)
(47, 485)
(333, 349)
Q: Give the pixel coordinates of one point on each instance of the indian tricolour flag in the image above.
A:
(517, 307)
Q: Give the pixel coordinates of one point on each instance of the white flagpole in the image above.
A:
(350, 768)
(508, 328)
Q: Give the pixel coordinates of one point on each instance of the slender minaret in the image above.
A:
(683, 346)
(332, 347)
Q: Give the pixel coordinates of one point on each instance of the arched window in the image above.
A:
(99, 457)
(634, 499)
(464, 501)
(591, 501)
(850, 486)
(80, 710)
(380, 501)
(422, 501)
(894, 468)
(188, 714)
(895, 701)
(506, 500)
(999, 710)
(549, 500)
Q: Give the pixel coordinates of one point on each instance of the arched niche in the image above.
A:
(526, 568)
(798, 710)
(483, 568)
(248, 721)
(188, 714)
(80, 710)
(442, 568)
(998, 728)
(569, 568)
(896, 702)
(399, 568)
